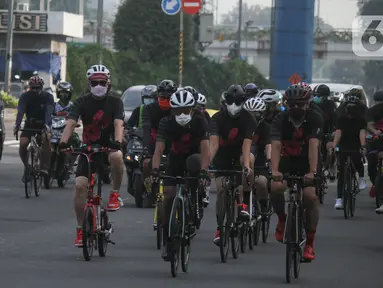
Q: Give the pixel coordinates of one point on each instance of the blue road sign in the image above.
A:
(171, 7)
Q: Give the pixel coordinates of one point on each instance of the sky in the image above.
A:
(338, 13)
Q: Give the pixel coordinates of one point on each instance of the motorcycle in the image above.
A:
(60, 163)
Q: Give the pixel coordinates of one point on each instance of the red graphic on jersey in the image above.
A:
(183, 145)
(92, 132)
(232, 138)
(293, 147)
(255, 139)
(153, 136)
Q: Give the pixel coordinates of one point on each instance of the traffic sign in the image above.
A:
(171, 7)
(191, 6)
(295, 79)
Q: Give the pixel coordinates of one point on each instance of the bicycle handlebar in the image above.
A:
(178, 179)
(89, 150)
(36, 131)
(225, 172)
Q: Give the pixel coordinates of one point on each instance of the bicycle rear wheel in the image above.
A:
(354, 191)
(88, 239)
(232, 221)
(175, 236)
(347, 193)
(224, 229)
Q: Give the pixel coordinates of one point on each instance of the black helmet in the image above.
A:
(149, 91)
(351, 99)
(251, 90)
(378, 96)
(193, 91)
(235, 91)
(354, 91)
(321, 90)
(64, 88)
(297, 93)
(166, 88)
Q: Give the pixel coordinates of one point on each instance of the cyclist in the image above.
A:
(201, 105)
(272, 98)
(294, 149)
(151, 117)
(350, 135)
(232, 131)
(189, 134)
(38, 107)
(261, 148)
(148, 96)
(321, 98)
(251, 90)
(375, 126)
(103, 118)
(358, 92)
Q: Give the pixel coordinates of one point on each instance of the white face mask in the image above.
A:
(233, 109)
(148, 101)
(183, 119)
(99, 91)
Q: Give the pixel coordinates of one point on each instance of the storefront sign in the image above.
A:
(25, 22)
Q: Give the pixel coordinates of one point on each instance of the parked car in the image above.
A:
(131, 99)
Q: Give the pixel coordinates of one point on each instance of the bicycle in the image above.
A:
(350, 185)
(33, 177)
(294, 237)
(181, 223)
(96, 227)
(379, 176)
(227, 220)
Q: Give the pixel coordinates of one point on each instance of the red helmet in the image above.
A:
(36, 82)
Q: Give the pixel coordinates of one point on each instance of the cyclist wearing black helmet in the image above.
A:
(375, 126)
(148, 96)
(251, 90)
(357, 92)
(231, 131)
(295, 135)
(321, 98)
(64, 92)
(350, 135)
(151, 117)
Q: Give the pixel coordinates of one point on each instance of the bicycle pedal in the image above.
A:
(111, 242)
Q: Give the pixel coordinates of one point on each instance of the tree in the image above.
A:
(143, 27)
(76, 69)
(347, 71)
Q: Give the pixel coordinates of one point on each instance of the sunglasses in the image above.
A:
(296, 104)
(236, 101)
(95, 83)
(179, 111)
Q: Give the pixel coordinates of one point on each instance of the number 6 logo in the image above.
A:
(367, 36)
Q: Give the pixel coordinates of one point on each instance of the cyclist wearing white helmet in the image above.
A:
(201, 106)
(261, 149)
(189, 133)
(103, 119)
(273, 99)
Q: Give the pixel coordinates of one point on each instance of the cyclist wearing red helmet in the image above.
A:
(38, 106)
(294, 149)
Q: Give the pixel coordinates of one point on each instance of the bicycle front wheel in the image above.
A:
(290, 239)
(158, 220)
(175, 235)
(28, 174)
(347, 193)
(232, 221)
(88, 239)
(224, 229)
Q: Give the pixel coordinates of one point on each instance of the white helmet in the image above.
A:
(97, 70)
(181, 99)
(270, 95)
(223, 97)
(254, 105)
(201, 99)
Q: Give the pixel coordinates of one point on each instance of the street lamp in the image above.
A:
(247, 25)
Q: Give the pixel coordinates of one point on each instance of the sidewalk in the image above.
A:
(10, 115)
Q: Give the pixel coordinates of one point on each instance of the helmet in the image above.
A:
(167, 88)
(378, 96)
(36, 82)
(98, 71)
(182, 99)
(298, 93)
(255, 105)
(351, 99)
(234, 98)
(235, 91)
(192, 91)
(64, 87)
(354, 91)
(201, 99)
(251, 89)
(321, 90)
(222, 99)
(149, 91)
(270, 95)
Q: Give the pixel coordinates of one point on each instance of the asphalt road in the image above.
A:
(37, 246)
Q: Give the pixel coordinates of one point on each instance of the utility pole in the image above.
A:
(239, 29)
(100, 19)
(9, 48)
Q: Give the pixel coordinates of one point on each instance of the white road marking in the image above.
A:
(9, 142)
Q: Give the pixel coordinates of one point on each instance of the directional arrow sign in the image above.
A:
(171, 7)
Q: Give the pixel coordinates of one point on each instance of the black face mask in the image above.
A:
(352, 110)
(297, 114)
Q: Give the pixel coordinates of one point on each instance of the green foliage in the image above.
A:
(9, 101)
(347, 71)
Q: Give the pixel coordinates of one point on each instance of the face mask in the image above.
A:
(297, 114)
(99, 91)
(233, 109)
(183, 119)
(317, 100)
(352, 110)
(164, 104)
(148, 101)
